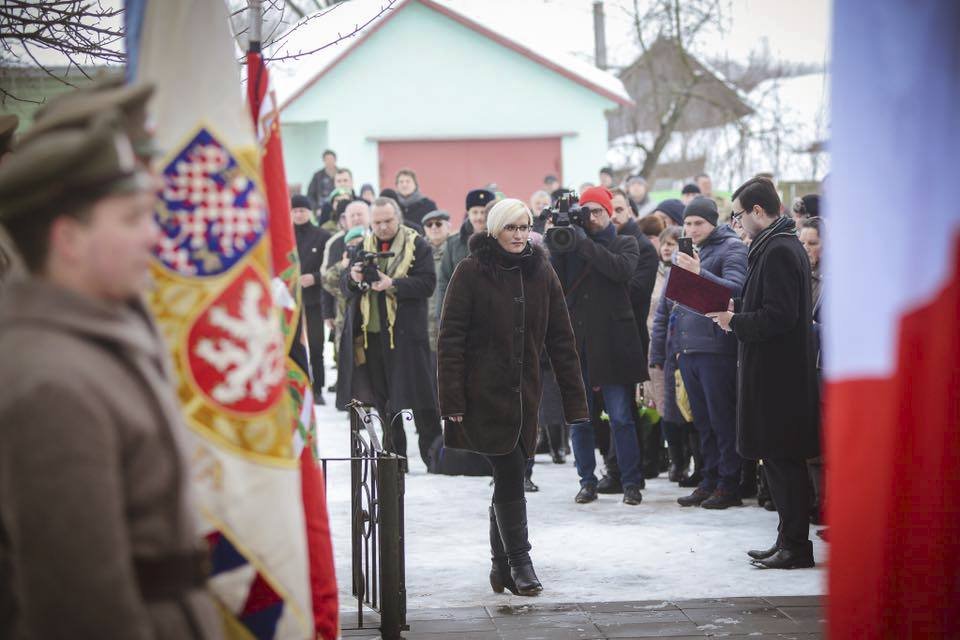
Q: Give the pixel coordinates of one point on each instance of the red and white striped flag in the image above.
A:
(893, 321)
(263, 106)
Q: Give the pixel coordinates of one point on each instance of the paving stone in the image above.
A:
(545, 608)
(563, 619)
(796, 601)
(578, 632)
(746, 615)
(719, 603)
(466, 635)
(650, 630)
(455, 613)
(640, 617)
(452, 626)
(801, 614)
(624, 607)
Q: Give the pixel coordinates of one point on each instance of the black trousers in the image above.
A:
(790, 490)
(393, 433)
(315, 344)
(508, 473)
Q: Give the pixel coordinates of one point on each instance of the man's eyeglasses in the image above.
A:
(433, 223)
(737, 215)
(513, 228)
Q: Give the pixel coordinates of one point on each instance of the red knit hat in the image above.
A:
(599, 195)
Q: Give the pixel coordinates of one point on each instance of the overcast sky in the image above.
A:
(794, 31)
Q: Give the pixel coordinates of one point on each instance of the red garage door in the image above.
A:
(448, 169)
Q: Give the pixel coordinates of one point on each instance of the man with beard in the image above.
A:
(641, 290)
(458, 245)
(778, 416)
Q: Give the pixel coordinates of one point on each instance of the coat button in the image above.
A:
(314, 249)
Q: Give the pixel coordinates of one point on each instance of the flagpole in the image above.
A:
(256, 25)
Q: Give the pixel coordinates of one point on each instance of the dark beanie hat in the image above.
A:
(480, 198)
(704, 208)
(811, 204)
(673, 208)
(301, 202)
(690, 188)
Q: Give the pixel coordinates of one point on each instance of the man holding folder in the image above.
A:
(707, 357)
(778, 413)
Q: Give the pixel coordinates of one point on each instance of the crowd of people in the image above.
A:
(664, 388)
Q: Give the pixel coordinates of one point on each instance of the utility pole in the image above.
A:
(599, 35)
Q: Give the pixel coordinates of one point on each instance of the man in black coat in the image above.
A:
(778, 405)
(641, 290)
(384, 356)
(596, 279)
(311, 242)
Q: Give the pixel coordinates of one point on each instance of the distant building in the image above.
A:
(428, 87)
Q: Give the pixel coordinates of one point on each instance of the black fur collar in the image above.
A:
(483, 248)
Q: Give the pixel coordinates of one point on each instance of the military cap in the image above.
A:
(69, 167)
(480, 198)
(79, 107)
(8, 126)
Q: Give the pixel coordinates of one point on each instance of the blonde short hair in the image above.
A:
(506, 212)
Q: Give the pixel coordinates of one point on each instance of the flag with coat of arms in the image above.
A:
(227, 300)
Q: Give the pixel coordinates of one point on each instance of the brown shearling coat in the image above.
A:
(92, 472)
(496, 322)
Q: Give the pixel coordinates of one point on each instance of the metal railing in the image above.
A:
(377, 526)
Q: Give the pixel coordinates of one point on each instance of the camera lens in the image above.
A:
(561, 239)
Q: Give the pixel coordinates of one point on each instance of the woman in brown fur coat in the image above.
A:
(504, 305)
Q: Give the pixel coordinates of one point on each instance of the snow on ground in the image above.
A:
(605, 551)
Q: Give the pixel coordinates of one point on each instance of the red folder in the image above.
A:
(696, 292)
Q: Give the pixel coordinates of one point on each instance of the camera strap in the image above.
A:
(579, 281)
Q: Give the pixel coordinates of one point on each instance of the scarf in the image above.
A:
(406, 201)
(508, 259)
(397, 267)
(782, 226)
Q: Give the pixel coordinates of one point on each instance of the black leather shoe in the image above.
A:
(529, 487)
(632, 495)
(691, 481)
(787, 559)
(763, 554)
(674, 474)
(586, 494)
(722, 499)
(609, 485)
(695, 498)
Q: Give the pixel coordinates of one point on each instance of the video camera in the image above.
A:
(369, 261)
(565, 213)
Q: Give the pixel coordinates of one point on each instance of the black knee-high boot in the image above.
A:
(500, 577)
(512, 522)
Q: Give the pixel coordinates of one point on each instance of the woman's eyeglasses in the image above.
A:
(513, 228)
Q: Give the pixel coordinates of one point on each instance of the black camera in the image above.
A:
(368, 260)
(565, 213)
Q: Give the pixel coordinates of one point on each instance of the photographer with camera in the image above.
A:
(384, 350)
(595, 266)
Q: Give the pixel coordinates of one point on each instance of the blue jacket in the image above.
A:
(723, 259)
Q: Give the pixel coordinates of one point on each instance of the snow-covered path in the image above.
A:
(605, 551)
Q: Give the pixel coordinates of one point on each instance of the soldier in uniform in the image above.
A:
(98, 538)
